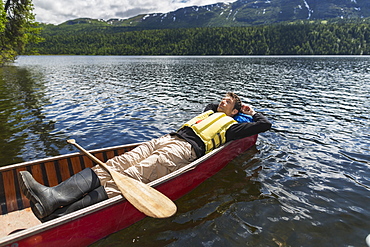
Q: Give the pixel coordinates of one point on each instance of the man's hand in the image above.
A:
(247, 110)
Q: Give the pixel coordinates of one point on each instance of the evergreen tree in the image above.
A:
(17, 28)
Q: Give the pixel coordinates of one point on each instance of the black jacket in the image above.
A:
(236, 131)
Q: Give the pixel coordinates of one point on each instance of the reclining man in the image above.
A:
(147, 162)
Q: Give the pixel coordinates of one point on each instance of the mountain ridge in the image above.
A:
(240, 13)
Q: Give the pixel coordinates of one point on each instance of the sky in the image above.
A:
(58, 11)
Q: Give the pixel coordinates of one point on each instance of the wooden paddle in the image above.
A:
(145, 198)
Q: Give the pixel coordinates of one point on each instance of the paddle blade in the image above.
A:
(145, 198)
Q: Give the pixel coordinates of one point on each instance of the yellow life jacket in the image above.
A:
(211, 128)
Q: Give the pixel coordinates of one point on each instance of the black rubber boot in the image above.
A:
(47, 199)
(91, 198)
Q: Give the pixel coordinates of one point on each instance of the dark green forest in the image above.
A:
(299, 38)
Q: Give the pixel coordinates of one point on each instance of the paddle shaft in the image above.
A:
(92, 157)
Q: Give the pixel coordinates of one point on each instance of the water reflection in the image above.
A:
(25, 130)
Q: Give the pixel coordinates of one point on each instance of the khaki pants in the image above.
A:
(148, 161)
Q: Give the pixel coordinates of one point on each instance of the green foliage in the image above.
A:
(17, 28)
(2, 17)
(297, 38)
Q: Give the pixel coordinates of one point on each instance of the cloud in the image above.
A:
(58, 11)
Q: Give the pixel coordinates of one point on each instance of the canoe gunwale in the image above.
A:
(44, 160)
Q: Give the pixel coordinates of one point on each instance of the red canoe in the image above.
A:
(20, 228)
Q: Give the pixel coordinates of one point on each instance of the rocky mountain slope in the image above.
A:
(243, 13)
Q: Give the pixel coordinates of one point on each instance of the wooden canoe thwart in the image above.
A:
(103, 218)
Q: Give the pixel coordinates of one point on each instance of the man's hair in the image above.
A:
(238, 102)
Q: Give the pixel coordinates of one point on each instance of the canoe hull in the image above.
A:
(90, 224)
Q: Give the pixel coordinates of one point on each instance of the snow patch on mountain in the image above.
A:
(310, 11)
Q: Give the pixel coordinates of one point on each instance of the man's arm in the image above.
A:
(212, 107)
(237, 131)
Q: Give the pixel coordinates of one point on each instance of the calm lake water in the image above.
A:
(306, 183)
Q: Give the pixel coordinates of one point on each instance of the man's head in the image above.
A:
(230, 104)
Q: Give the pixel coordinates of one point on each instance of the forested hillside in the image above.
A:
(274, 27)
(299, 38)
